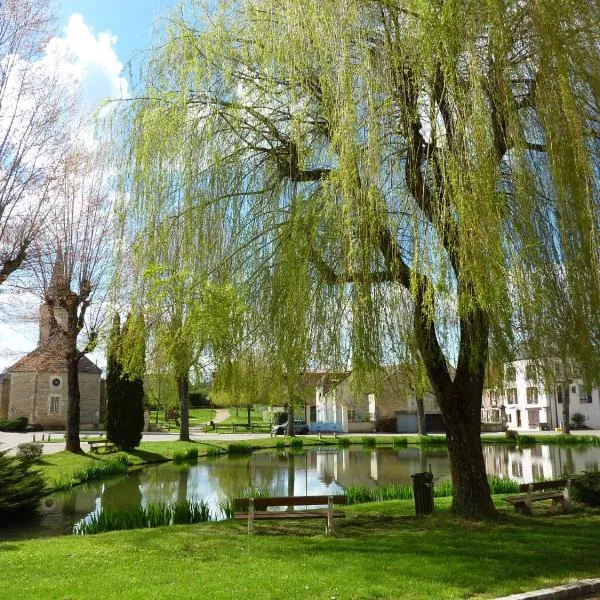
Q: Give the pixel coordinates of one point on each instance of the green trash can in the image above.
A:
(423, 493)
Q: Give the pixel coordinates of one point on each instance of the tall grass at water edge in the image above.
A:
(239, 448)
(102, 468)
(138, 517)
(189, 455)
(357, 494)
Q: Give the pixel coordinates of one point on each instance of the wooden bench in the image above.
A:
(255, 509)
(95, 446)
(559, 491)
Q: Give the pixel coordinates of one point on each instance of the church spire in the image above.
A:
(57, 286)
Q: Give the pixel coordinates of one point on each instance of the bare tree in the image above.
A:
(34, 103)
(72, 259)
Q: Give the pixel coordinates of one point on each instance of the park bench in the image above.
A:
(95, 446)
(559, 491)
(255, 509)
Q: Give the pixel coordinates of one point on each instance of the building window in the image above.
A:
(531, 373)
(532, 395)
(510, 374)
(511, 396)
(517, 469)
(54, 403)
(584, 397)
(537, 472)
(55, 382)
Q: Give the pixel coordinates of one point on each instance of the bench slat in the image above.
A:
(297, 514)
(263, 503)
(544, 485)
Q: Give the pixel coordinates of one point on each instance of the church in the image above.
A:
(36, 386)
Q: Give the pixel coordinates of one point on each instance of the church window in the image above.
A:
(54, 402)
(56, 382)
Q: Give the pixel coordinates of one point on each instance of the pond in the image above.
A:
(319, 470)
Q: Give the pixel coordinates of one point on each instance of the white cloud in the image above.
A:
(88, 60)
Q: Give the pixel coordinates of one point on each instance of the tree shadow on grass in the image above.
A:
(146, 456)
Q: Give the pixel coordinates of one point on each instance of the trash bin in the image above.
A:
(423, 493)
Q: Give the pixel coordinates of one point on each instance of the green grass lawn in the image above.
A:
(380, 551)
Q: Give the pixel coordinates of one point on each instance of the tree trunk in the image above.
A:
(460, 402)
(249, 415)
(74, 398)
(421, 413)
(183, 387)
(290, 418)
(471, 493)
(566, 408)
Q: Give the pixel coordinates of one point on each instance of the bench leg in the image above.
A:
(251, 516)
(329, 527)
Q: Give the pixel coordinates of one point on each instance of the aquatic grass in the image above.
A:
(227, 507)
(213, 451)
(432, 440)
(358, 494)
(343, 442)
(296, 443)
(239, 448)
(188, 455)
(526, 440)
(101, 469)
(400, 442)
(369, 442)
(280, 445)
(139, 517)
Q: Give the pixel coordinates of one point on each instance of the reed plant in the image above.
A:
(139, 517)
(239, 448)
(400, 442)
(213, 451)
(296, 443)
(102, 468)
(357, 494)
(343, 442)
(189, 455)
(432, 440)
(369, 442)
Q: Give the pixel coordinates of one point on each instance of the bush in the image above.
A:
(18, 424)
(578, 420)
(586, 488)
(29, 450)
(21, 487)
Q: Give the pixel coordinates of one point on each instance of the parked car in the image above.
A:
(300, 427)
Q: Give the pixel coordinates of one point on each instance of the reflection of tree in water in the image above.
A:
(291, 482)
(123, 493)
(159, 484)
(182, 491)
(569, 463)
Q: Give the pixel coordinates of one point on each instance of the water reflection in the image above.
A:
(315, 471)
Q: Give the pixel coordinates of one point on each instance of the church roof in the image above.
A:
(50, 358)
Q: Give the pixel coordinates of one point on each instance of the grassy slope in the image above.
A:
(380, 552)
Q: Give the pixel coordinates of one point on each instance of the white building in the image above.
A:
(529, 401)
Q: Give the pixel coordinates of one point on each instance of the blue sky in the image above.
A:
(92, 44)
(131, 21)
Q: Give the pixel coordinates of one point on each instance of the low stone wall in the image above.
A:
(492, 428)
(361, 427)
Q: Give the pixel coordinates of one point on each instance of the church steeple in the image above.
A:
(57, 287)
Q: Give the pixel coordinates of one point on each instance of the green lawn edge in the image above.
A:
(379, 551)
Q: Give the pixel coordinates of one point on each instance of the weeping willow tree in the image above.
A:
(352, 148)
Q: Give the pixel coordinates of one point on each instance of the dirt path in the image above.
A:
(222, 415)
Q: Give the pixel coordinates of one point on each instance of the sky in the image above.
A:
(94, 42)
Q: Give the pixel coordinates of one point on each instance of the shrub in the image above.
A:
(586, 488)
(578, 420)
(29, 450)
(18, 424)
(400, 442)
(369, 442)
(239, 448)
(21, 487)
